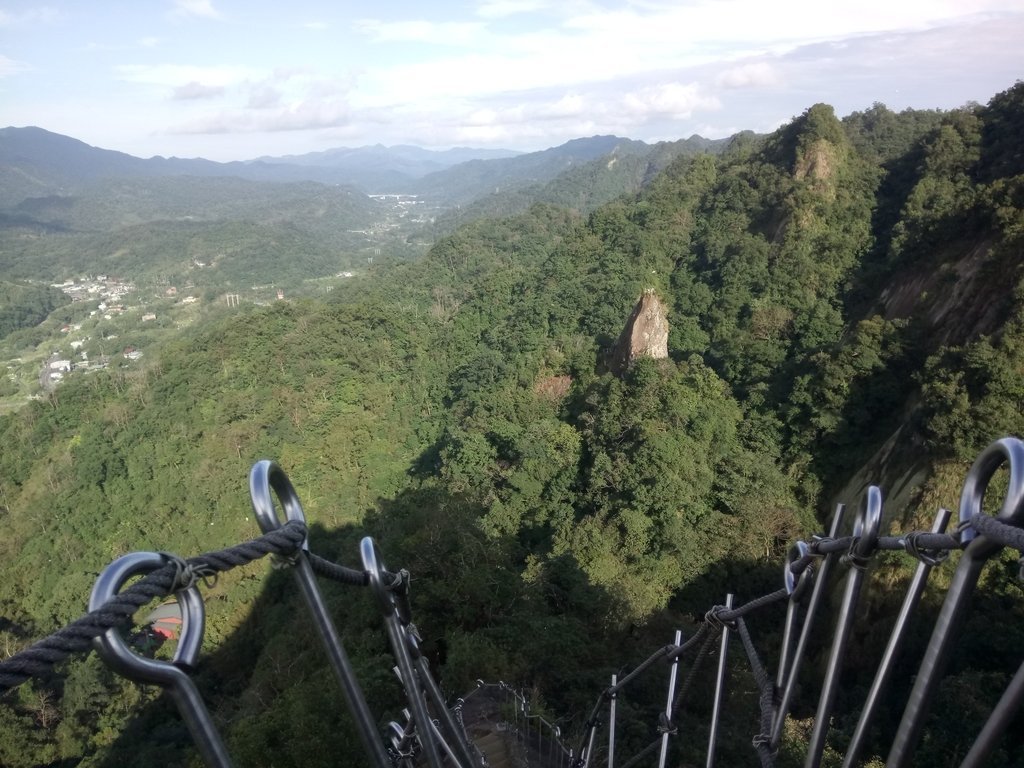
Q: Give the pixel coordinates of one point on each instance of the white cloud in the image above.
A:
(10, 67)
(570, 105)
(302, 116)
(677, 31)
(176, 75)
(264, 97)
(752, 75)
(31, 17)
(198, 8)
(195, 90)
(667, 55)
(673, 100)
(420, 31)
(499, 9)
(519, 73)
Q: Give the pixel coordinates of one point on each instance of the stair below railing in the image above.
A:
(494, 747)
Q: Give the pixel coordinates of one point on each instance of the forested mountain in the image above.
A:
(25, 305)
(836, 288)
(38, 163)
(581, 185)
(113, 203)
(388, 169)
(528, 174)
(35, 163)
(70, 209)
(218, 233)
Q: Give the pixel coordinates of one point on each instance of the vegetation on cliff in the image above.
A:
(830, 286)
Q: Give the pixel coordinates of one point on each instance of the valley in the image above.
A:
(838, 302)
(227, 242)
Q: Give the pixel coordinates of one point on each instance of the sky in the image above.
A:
(238, 79)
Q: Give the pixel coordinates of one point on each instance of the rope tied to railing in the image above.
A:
(853, 556)
(928, 547)
(666, 726)
(766, 696)
(698, 661)
(915, 544)
(338, 573)
(188, 575)
(1002, 533)
(714, 618)
(287, 542)
(41, 657)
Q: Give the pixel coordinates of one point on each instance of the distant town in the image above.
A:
(112, 295)
(117, 324)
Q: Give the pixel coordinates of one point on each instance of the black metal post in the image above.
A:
(801, 647)
(611, 724)
(866, 529)
(997, 723)
(264, 476)
(668, 705)
(954, 609)
(885, 667)
(719, 688)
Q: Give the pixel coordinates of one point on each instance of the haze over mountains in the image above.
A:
(846, 306)
(35, 162)
(69, 209)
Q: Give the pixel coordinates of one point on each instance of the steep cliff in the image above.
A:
(645, 334)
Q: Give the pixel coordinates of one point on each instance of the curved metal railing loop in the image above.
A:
(268, 481)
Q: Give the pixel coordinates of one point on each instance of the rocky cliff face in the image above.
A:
(645, 334)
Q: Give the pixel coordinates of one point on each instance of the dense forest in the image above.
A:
(26, 305)
(845, 300)
(222, 233)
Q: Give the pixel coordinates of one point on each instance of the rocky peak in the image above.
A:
(645, 334)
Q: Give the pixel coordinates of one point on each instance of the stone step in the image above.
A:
(494, 749)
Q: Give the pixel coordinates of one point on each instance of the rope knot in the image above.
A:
(400, 582)
(281, 561)
(818, 542)
(853, 558)
(666, 726)
(414, 632)
(927, 556)
(714, 618)
(763, 744)
(188, 575)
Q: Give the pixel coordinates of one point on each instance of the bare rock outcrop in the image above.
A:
(645, 334)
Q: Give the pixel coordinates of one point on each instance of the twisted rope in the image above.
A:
(1000, 532)
(339, 573)
(40, 658)
(698, 661)
(665, 652)
(766, 696)
(729, 615)
(926, 546)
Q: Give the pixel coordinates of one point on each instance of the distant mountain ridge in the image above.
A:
(413, 160)
(67, 207)
(35, 163)
(468, 181)
(582, 175)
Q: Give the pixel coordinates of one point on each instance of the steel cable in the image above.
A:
(40, 658)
